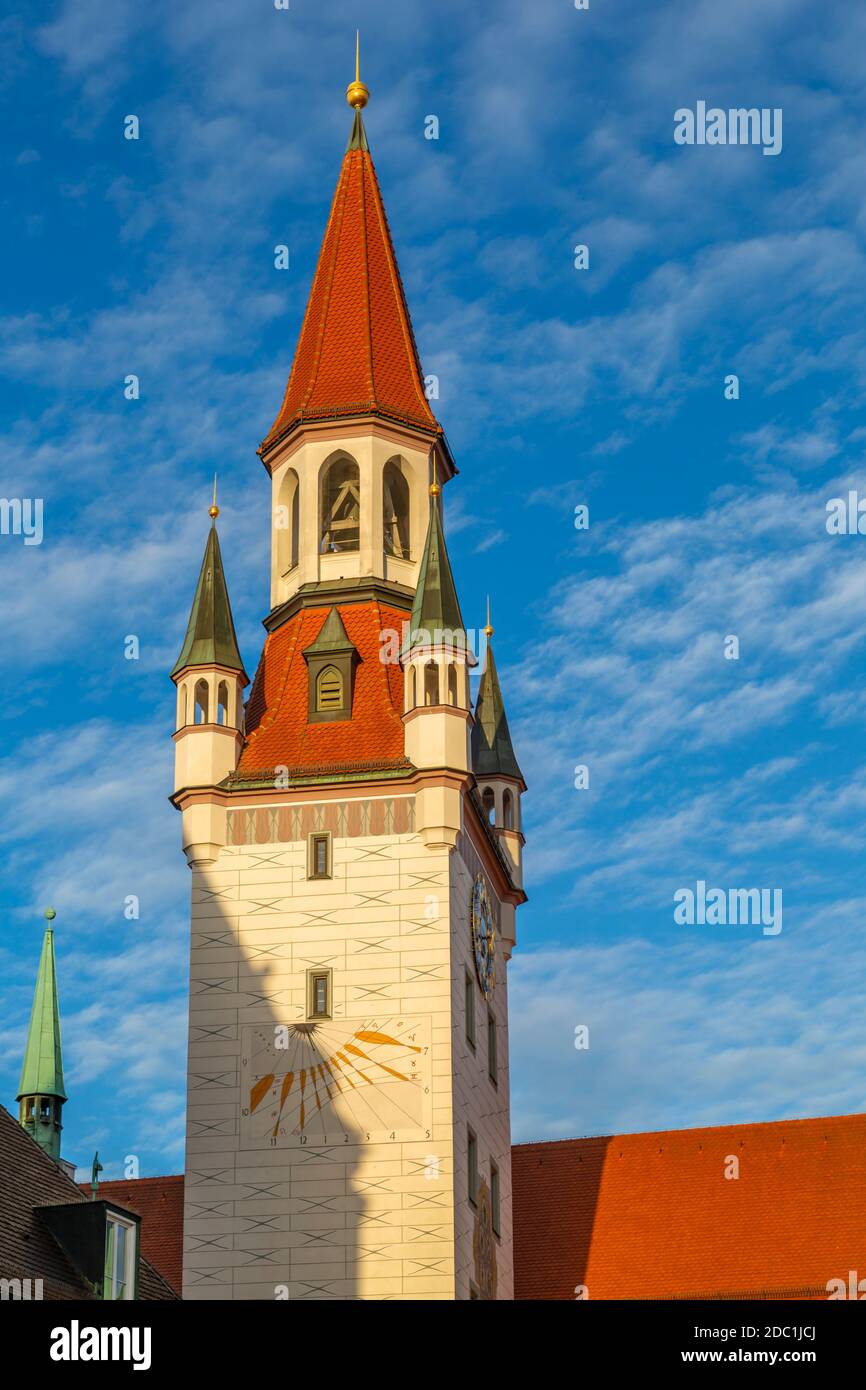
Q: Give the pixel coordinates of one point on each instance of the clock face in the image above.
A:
(338, 1081)
(483, 937)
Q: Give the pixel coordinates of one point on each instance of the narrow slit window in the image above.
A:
(320, 856)
(319, 994)
(494, 1197)
(492, 1050)
(469, 997)
(472, 1165)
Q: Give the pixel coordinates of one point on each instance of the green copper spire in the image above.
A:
(210, 635)
(436, 608)
(492, 751)
(41, 1092)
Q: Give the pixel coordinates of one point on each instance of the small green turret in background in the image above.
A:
(41, 1094)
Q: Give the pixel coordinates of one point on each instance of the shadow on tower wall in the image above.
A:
(272, 1209)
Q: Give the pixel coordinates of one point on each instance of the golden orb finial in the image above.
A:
(357, 95)
(435, 489)
(488, 631)
(49, 914)
(213, 509)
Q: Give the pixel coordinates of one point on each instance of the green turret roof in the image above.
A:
(42, 1072)
(436, 608)
(492, 751)
(210, 635)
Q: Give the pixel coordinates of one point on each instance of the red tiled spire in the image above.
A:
(356, 352)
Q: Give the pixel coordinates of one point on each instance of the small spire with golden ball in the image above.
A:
(213, 509)
(435, 489)
(49, 914)
(488, 631)
(357, 95)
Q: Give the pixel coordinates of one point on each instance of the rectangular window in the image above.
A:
(319, 856)
(472, 1165)
(492, 1054)
(494, 1196)
(469, 998)
(121, 1256)
(319, 994)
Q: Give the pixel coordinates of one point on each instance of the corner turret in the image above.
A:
(210, 680)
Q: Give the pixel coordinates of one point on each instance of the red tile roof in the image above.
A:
(278, 733)
(653, 1215)
(356, 352)
(159, 1203)
(29, 1179)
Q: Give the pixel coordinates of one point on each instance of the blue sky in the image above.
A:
(558, 387)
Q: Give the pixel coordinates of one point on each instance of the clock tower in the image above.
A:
(354, 838)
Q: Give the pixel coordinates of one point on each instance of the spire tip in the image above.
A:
(357, 95)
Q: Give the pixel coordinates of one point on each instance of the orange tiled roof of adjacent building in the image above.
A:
(356, 352)
(653, 1216)
(278, 734)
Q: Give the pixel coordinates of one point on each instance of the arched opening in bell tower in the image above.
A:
(287, 522)
(222, 703)
(431, 683)
(340, 506)
(201, 702)
(395, 511)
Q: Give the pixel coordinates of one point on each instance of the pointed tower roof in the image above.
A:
(436, 607)
(42, 1072)
(356, 352)
(492, 750)
(332, 638)
(210, 634)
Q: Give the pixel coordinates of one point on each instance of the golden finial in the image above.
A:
(357, 94)
(435, 489)
(213, 510)
(49, 914)
(488, 631)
